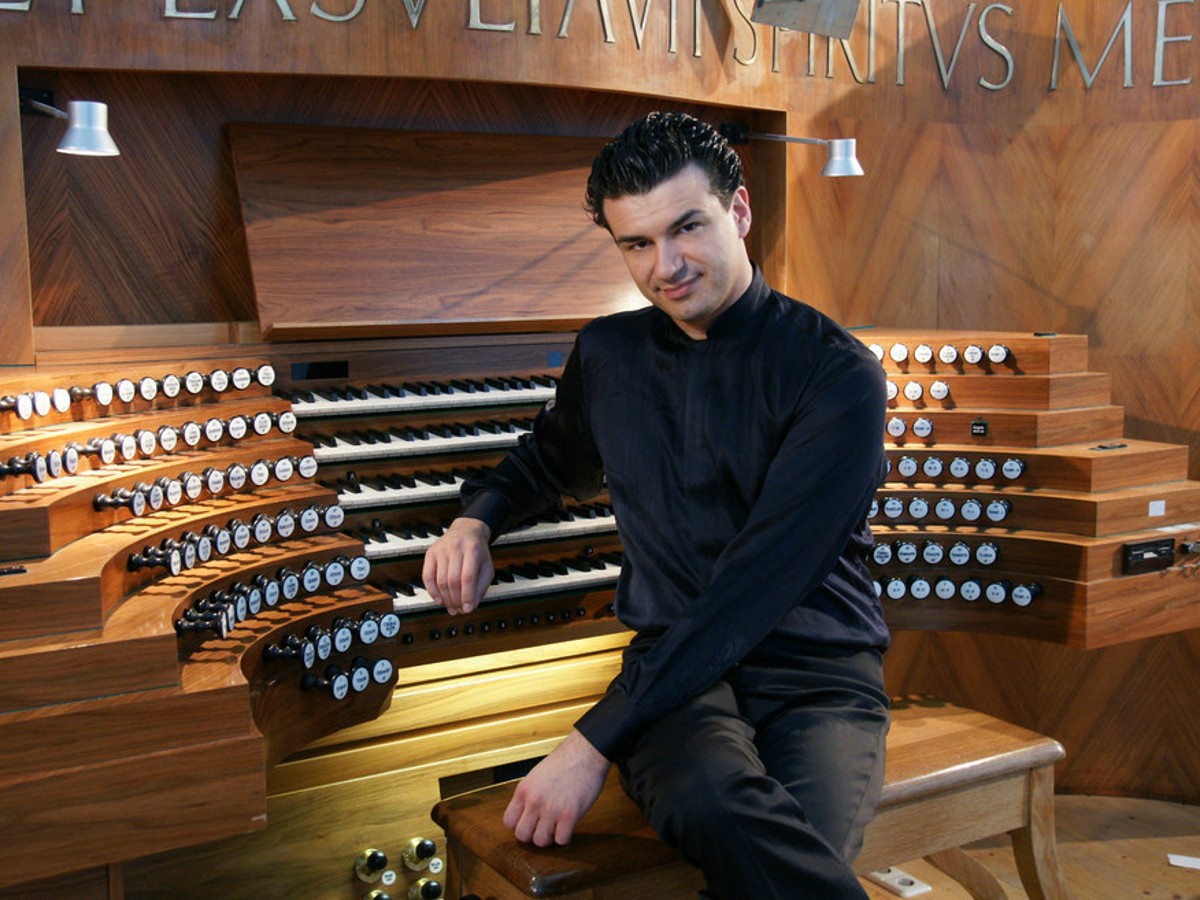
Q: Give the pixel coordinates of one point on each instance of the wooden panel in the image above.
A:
(110, 242)
(676, 50)
(96, 809)
(105, 730)
(356, 232)
(1091, 514)
(1128, 715)
(1009, 428)
(81, 664)
(1071, 467)
(1025, 354)
(103, 883)
(16, 318)
(1028, 391)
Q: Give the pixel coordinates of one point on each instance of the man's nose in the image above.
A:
(668, 263)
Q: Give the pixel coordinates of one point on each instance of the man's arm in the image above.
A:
(552, 798)
(557, 458)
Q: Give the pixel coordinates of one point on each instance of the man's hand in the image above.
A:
(458, 567)
(552, 798)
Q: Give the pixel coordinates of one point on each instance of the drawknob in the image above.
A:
(418, 852)
(370, 865)
(425, 889)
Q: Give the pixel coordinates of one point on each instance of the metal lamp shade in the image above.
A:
(842, 158)
(87, 130)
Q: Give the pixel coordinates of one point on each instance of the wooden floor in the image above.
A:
(1110, 849)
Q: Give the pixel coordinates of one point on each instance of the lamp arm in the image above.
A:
(787, 138)
(44, 107)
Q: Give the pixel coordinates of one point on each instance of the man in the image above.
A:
(740, 435)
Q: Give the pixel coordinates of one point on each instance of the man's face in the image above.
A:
(683, 248)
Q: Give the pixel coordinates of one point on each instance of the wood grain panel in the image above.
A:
(678, 50)
(99, 806)
(985, 391)
(1128, 715)
(156, 236)
(1072, 467)
(356, 232)
(1027, 353)
(865, 249)
(16, 322)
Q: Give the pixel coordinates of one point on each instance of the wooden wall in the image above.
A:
(1074, 210)
(1030, 208)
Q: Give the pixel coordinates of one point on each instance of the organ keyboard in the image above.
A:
(419, 487)
(528, 580)
(357, 445)
(591, 519)
(238, 545)
(422, 396)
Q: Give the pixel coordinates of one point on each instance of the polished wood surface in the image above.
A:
(1103, 705)
(101, 254)
(16, 323)
(1085, 468)
(357, 232)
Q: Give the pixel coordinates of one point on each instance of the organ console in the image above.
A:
(263, 583)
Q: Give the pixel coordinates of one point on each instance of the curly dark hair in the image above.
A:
(654, 148)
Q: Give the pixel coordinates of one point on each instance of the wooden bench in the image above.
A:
(953, 776)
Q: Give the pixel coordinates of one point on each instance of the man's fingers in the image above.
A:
(512, 815)
(458, 567)
(547, 827)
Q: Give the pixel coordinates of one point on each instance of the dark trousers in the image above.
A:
(767, 780)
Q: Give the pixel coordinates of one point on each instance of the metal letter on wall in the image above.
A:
(997, 47)
(1161, 40)
(1064, 25)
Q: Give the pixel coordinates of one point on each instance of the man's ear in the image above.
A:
(740, 208)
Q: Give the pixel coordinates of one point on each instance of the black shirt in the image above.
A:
(741, 469)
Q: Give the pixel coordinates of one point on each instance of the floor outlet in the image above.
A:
(899, 882)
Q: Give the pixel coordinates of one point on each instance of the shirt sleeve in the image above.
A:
(815, 496)
(556, 458)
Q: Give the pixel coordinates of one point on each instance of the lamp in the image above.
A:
(87, 123)
(842, 157)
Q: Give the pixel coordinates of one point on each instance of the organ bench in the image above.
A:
(953, 776)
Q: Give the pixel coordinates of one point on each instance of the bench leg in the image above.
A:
(1035, 846)
(974, 876)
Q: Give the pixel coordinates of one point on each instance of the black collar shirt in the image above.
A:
(741, 469)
